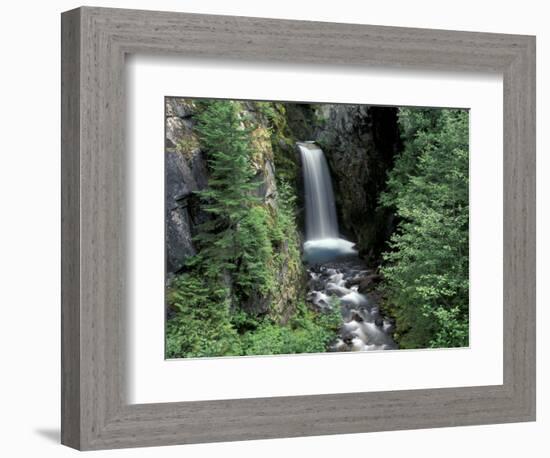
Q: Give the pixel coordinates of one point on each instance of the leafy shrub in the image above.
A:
(426, 268)
(202, 324)
(309, 332)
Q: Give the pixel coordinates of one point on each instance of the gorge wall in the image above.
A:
(360, 143)
(187, 173)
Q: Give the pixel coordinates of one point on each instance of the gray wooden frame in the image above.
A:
(95, 414)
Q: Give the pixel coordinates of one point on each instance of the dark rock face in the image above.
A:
(185, 173)
(368, 283)
(182, 179)
(302, 120)
(360, 143)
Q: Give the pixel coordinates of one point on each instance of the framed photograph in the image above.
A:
(277, 228)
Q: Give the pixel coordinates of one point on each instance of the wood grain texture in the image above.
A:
(70, 229)
(94, 299)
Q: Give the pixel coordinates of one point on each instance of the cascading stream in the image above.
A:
(335, 271)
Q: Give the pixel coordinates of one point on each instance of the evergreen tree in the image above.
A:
(229, 196)
(236, 239)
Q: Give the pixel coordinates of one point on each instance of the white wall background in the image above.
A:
(29, 240)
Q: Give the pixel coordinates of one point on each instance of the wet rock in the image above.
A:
(340, 345)
(348, 338)
(388, 326)
(353, 282)
(367, 283)
(336, 290)
(363, 327)
(319, 300)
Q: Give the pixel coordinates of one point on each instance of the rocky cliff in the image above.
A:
(186, 172)
(360, 143)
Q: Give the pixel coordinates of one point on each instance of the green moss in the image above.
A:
(188, 145)
(288, 267)
(283, 140)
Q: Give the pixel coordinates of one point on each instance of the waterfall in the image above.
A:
(335, 270)
(321, 221)
(323, 243)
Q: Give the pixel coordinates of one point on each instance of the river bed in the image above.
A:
(336, 284)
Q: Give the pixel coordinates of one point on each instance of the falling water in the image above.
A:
(321, 221)
(322, 236)
(335, 270)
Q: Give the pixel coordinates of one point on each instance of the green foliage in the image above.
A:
(206, 326)
(426, 269)
(202, 325)
(284, 230)
(309, 332)
(229, 194)
(242, 249)
(282, 140)
(268, 110)
(235, 239)
(187, 144)
(256, 256)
